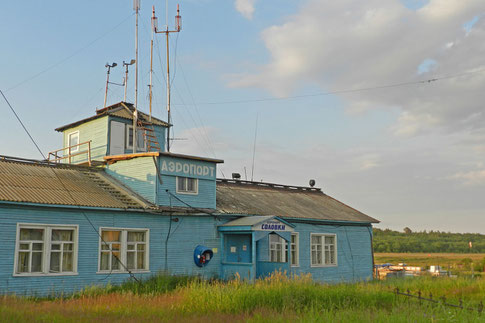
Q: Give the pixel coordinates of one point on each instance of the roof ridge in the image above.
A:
(293, 188)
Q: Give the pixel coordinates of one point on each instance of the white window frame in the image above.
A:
(323, 235)
(284, 248)
(46, 251)
(179, 191)
(124, 249)
(295, 261)
(127, 139)
(75, 149)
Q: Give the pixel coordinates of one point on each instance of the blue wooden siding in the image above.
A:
(354, 258)
(354, 252)
(139, 174)
(205, 198)
(204, 171)
(96, 131)
(186, 234)
(177, 166)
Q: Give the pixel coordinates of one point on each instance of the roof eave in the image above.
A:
(102, 113)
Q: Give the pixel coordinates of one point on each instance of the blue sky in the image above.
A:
(408, 155)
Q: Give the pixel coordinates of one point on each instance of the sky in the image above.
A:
(381, 102)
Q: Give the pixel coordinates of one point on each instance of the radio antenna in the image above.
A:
(254, 145)
(136, 7)
(178, 27)
(150, 86)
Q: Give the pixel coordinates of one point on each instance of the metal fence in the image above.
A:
(441, 300)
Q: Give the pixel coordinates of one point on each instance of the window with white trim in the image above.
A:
(140, 135)
(123, 249)
(277, 248)
(46, 249)
(295, 249)
(323, 249)
(187, 185)
(73, 139)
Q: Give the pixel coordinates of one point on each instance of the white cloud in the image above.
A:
(404, 176)
(369, 161)
(351, 44)
(472, 178)
(245, 8)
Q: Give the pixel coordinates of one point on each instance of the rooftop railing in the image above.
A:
(59, 155)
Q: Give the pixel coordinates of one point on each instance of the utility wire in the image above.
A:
(207, 138)
(386, 86)
(68, 57)
(21, 123)
(190, 206)
(72, 197)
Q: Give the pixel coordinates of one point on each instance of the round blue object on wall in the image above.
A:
(202, 255)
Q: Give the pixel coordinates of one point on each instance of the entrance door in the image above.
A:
(238, 248)
(117, 138)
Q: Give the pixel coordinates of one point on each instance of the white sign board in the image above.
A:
(272, 225)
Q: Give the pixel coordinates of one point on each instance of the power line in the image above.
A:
(23, 126)
(68, 57)
(379, 87)
(70, 195)
(207, 138)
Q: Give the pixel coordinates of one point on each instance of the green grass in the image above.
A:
(275, 299)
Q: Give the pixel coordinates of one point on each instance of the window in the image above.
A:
(294, 250)
(187, 185)
(323, 250)
(46, 249)
(140, 144)
(278, 249)
(73, 139)
(123, 246)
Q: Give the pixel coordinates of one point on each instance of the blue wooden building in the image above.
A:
(102, 213)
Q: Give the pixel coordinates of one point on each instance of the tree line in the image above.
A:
(427, 241)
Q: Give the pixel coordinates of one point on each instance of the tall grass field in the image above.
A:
(275, 299)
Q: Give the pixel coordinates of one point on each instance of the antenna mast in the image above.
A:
(178, 27)
(150, 94)
(126, 76)
(107, 81)
(136, 7)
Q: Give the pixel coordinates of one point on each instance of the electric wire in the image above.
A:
(157, 45)
(69, 56)
(345, 91)
(82, 106)
(190, 206)
(70, 195)
(192, 130)
(175, 58)
(207, 138)
(23, 126)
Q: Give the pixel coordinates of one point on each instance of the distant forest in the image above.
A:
(427, 241)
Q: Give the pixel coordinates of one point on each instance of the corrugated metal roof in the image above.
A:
(31, 182)
(120, 110)
(256, 198)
